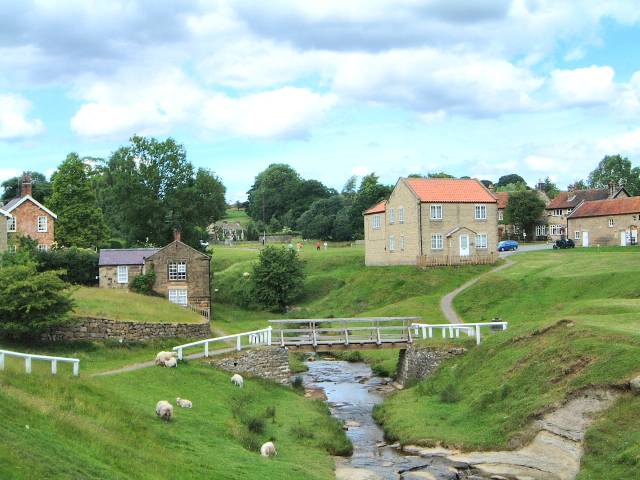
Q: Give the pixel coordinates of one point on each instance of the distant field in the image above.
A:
(236, 215)
(123, 305)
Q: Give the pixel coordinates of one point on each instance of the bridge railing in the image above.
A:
(426, 330)
(28, 358)
(255, 338)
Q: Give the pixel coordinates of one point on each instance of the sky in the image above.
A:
(333, 88)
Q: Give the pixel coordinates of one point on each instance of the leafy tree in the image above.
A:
(349, 189)
(578, 185)
(319, 220)
(486, 183)
(523, 209)
(80, 221)
(40, 187)
(277, 278)
(616, 169)
(550, 188)
(78, 265)
(439, 175)
(512, 187)
(32, 302)
(511, 178)
(370, 192)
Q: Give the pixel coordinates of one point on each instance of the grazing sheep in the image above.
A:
(268, 450)
(171, 362)
(184, 403)
(162, 357)
(237, 380)
(164, 410)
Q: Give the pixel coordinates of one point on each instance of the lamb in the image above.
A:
(237, 380)
(268, 450)
(162, 357)
(184, 403)
(171, 362)
(164, 410)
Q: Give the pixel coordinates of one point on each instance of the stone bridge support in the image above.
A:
(271, 363)
(420, 361)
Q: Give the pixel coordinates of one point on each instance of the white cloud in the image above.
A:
(14, 121)
(7, 173)
(584, 86)
(542, 164)
(624, 143)
(361, 170)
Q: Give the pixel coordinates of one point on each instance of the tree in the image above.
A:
(40, 187)
(578, 185)
(277, 278)
(370, 192)
(439, 175)
(511, 178)
(512, 187)
(550, 188)
(523, 210)
(486, 183)
(80, 221)
(319, 220)
(617, 170)
(32, 302)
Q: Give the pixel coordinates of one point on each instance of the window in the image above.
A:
(392, 243)
(178, 270)
(11, 224)
(375, 222)
(123, 274)
(178, 296)
(576, 235)
(401, 215)
(556, 229)
(402, 243)
(392, 216)
(43, 248)
(42, 224)
(481, 212)
(12, 248)
(500, 215)
(481, 240)
(436, 212)
(611, 222)
(436, 241)
(557, 212)
(569, 210)
(541, 230)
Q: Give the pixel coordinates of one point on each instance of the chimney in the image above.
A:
(26, 184)
(612, 191)
(492, 188)
(177, 235)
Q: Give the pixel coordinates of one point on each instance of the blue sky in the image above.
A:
(334, 88)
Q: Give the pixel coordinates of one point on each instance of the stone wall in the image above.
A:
(3, 233)
(105, 329)
(271, 363)
(420, 361)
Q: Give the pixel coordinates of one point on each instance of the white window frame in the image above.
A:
(392, 243)
(400, 214)
(123, 274)
(569, 210)
(500, 215)
(437, 241)
(481, 212)
(611, 223)
(12, 248)
(557, 212)
(402, 239)
(43, 224)
(576, 235)
(482, 241)
(43, 248)
(12, 223)
(375, 222)
(435, 212)
(392, 216)
(178, 296)
(541, 230)
(555, 229)
(177, 270)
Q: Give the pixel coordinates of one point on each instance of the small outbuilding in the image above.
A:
(613, 221)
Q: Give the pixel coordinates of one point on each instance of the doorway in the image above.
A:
(464, 245)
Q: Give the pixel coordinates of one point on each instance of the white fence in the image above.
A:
(28, 357)
(454, 329)
(256, 337)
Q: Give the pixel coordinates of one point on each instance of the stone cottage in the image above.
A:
(432, 221)
(182, 272)
(613, 221)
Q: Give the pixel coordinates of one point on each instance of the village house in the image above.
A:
(559, 209)
(28, 217)
(613, 221)
(508, 231)
(4, 216)
(182, 272)
(435, 221)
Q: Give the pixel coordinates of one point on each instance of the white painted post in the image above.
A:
(424, 332)
(378, 341)
(76, 368)
(504, 326)
(238, 344)
(450, 332)
(27, 364)
(269, 336)
(2, 361)
(206, 349)
(54, 367)
(281, 338)
(444, 333)
(179, 354)
(457, 333)
(477, 334)
(346, 336)
(430, 332)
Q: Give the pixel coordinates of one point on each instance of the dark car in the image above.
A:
(568, 243)
(506, 245)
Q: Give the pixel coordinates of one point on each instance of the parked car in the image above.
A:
(506, 245)
(563, 244)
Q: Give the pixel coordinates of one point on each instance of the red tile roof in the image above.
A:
(377, 208)
(614, 206)
(571, 199)
(503, 198)
(450, 190)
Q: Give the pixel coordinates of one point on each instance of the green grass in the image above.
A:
(95, 428)
(119, 304)
(572, 323)
(236, 215)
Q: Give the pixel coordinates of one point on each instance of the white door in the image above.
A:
(623, 239)
(585, 239)
(464, 245)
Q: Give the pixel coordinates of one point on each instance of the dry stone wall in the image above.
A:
(420, 361)
(271, 363)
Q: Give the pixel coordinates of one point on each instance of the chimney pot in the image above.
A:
(177, 235)
(26, 184)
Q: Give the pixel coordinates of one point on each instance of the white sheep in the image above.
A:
(164, 410)
(184, 403)
(162, 357)
(268, 450)
(237, 380)
(171, 362)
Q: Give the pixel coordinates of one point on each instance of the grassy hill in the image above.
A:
(573, 322)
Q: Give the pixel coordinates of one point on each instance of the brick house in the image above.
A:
(559, 209)
(432, 222)
(28, 217)
(613, 221)
(4, 216)
(182, 272)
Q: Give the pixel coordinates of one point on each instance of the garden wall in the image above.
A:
(420, 361)
(271, 363)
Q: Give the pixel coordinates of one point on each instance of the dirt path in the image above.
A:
(446, 303)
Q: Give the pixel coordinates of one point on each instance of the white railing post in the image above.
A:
(238, 343)
(27, 364)
(2, 361)
(54, 367)
(430, 332)
(346, 336)
(378, 341)
(424, 332)
(269, 335)
(477, 334)
(504, 326)
(281, 338)
(444, 332)
(179, 354)
(76, 368)
(457, 333)
(206, 349)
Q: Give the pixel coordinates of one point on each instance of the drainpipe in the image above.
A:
(420, 225)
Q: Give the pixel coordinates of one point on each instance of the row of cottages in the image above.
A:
(432, 222)
(182, 272)
(25, 216)
(613, 221)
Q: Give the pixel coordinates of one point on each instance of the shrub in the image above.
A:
(144, 283)
(301, 432)
(297, 383)
(277, 278)
(255, 424)
(80, 265)
(270, 412)
(450, 394)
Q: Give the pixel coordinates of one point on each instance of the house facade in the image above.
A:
(562, 206)
(508, 231)
(613, 221)
(182, 272)
(28, 217)
(4, 216)
(432, 222)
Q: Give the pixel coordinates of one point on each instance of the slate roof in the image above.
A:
(450, 190)
(612, 206)
(15, 202)
(572, 199)
(125, 256)
(377, 208)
